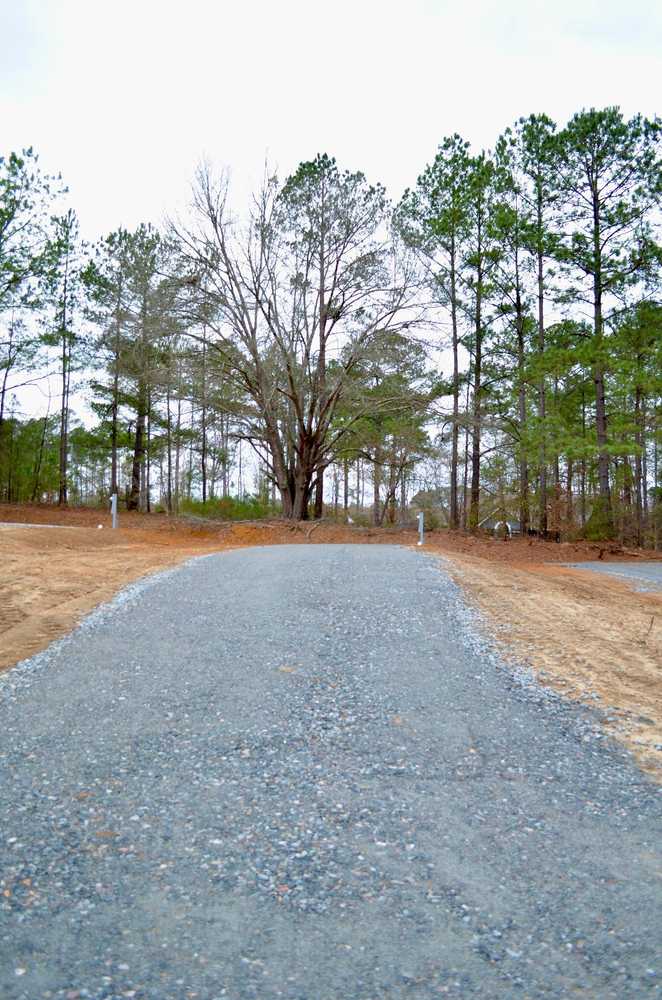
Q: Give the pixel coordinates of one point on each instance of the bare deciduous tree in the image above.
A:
(297, 295)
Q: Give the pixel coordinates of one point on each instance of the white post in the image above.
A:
(113, 509)
(421, 518)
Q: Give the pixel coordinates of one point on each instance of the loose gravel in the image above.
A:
(300, 772)
(643, 575)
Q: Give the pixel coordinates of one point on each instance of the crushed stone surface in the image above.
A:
(300, 772)
(643, 575)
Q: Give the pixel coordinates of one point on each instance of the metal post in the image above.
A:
(421, 518)
(113, 509)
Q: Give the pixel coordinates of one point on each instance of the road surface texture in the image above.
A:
(299, 772)
(642, 575)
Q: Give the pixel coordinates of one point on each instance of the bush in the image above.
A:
(361, 519)
(229, 509)
(431, 520)
(599, 526)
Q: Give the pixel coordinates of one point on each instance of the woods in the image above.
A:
(490, 346)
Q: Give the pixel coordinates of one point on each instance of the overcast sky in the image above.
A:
(124, 97)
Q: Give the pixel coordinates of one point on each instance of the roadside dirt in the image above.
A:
(590, 637)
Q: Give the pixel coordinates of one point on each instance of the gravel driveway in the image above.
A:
(298, 772)
(642, 575)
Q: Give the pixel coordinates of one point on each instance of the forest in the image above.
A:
(489, 347)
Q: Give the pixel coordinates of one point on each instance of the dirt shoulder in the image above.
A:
(591, 637)
(588, 636)
(52, 576)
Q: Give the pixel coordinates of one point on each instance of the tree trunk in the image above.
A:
(115, 398)
(168, 450)
(644, 462)
(133, 502)
(295, 483)
(178, 428)
(319, 495)
(376, 483)
(454, 512)
(542, 464)
(465, 470)
(403, 498)
(114, 437)
(40, 455)
(569, 512)
(598, 375)
(135, 499)
(10, 359)
(225, 444)
(147, 502)
(656, 481)
(64, 421)
(345, 477)
(638, 477)
(628, 528)
(189, 477)
(64, 408)
(321, 361)
(299, 501)
(523, 464)
(203, 416)
(474, 510)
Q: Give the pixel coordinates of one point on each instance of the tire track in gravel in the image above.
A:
(299, 772)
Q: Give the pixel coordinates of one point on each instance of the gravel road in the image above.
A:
(299, 772)
(643, 575)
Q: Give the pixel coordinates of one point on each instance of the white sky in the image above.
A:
(124, 96)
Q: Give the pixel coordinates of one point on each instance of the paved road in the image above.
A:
(297, 772)
(643, 575)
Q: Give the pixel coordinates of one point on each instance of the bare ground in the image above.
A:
(590, 637)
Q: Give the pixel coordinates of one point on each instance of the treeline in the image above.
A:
(492, 343)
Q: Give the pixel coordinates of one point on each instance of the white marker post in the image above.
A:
(113, 509)
(421, 518)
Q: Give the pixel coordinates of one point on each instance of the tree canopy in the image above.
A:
(493, 339)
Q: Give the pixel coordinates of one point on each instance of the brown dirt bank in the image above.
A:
(586, 635)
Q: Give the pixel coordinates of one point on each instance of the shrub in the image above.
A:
(229, 508)
(600, 523)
